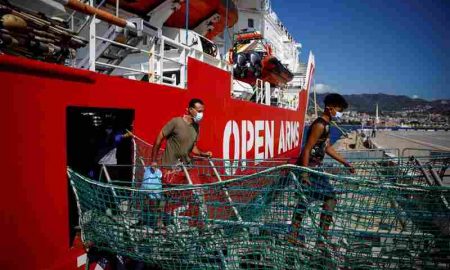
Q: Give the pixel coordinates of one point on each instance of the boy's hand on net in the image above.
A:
(127, 134)
(304, 177)
(349, 166)
(207, 154)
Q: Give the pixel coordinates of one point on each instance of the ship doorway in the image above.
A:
(95, 135)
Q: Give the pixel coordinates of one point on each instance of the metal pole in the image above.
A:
(315, 98)
(435, 176)
(188, 177)
(185, 50)
(202, 206)
(187, 21)
(108, 179)
(422, 170)
(92, 41)
(439, 183)
(236, 212)
(117, 8)
(225, 32)
(267, 93)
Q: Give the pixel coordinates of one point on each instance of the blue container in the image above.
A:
(152, 182)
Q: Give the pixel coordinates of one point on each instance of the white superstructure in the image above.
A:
(259, 15)
(156, 53)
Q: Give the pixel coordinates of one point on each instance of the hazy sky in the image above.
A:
(396, 47)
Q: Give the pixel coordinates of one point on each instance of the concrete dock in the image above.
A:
(418, 143)
(402, 139)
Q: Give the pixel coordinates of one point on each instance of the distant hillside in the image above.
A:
(366, 103)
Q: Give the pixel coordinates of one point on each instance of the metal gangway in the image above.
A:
(388, 215)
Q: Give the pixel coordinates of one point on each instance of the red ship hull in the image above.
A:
(34, 101)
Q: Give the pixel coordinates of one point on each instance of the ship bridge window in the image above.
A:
(251, 23)
(94, 137)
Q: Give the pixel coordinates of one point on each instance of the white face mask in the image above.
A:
(198, 117)
(338, 115)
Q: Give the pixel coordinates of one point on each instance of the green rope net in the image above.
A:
(393, 213)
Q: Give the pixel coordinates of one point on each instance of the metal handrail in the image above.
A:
(138, 49)
(120, 67)
(121, 44)
(72, 16)
(220, 62)
(141, 51)
(423, 149)
(183, 51)
(174, 43)
(227, 194)
(192, 52)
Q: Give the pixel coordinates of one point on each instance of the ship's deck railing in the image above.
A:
(142, 151)
(162, 55)
(204, 57)
(366, 162)
(75, 22)
(423, 152)
(154, 59)
(162, 61)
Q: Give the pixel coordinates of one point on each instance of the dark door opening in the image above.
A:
(95, 135)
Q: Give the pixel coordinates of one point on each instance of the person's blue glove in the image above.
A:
(117, 138)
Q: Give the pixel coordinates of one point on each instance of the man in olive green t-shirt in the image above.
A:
(181, 134)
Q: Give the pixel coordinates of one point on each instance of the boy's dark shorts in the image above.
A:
(320, 189)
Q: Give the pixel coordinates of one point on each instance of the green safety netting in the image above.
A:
(393, 213)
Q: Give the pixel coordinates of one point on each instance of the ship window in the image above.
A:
(251, 23)
(90, 138)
